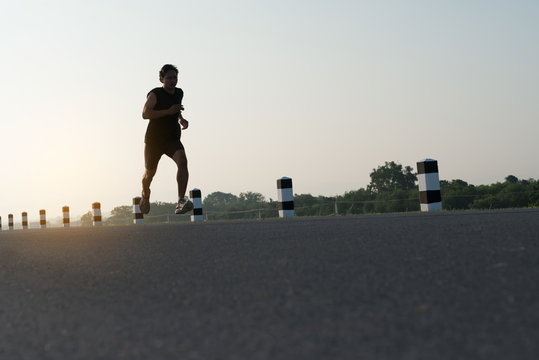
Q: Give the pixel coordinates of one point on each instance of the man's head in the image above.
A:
(168, 75)
(166, 68)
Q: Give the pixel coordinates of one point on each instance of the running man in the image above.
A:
(163, 108)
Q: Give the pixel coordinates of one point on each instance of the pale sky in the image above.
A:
(319, 91)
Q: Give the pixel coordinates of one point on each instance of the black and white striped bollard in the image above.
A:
(10, 221)
(196, 213)
(65, 212)
(286, 197)
(0, 223)
(138, 217)
(42, 219)
(24, 220)
(430, 197)
(96, 208)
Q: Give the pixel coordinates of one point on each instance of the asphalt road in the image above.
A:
(418, 286)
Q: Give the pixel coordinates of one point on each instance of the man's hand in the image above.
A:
(175, 109)
(149, 113)
(184, 123)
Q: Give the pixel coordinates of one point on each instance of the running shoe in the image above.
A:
(145, 203)
(184, 206)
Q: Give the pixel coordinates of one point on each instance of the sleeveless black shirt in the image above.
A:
(166, 128)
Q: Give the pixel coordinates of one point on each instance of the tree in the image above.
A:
(457, 194)
(390, 177)
(252, 197)
(534, 192)
(121, 215)
(219, 200)
(357, 202)
(87, 219)
(308, 205)
(511, 179)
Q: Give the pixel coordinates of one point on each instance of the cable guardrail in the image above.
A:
(330, 206)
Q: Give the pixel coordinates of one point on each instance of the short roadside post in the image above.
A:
(196, 213)
(96, 208)
(430, 197)
(65, 212)
(25, 220)
(43, 219)
(285, 197)
(138, 217)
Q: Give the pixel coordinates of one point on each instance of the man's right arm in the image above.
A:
(149, 113)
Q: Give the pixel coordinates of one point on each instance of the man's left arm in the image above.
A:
(184, 123)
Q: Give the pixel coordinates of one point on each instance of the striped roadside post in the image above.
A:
(24, 220)
(138, 217)
(196, 213)
(96, 208)
(43, 219)
(0, 223)
(10, 221)
(286, 197)
(430, 197)
(65, 211)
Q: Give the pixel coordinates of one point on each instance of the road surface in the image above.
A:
(462, 285)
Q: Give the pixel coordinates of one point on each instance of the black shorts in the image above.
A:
(153, 152)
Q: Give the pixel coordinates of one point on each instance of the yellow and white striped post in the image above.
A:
(43, 219)
(24, 220)
(65, 211)
(96, 207)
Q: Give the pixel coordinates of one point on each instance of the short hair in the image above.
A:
(166, 68)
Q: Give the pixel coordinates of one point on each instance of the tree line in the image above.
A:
(392, 189)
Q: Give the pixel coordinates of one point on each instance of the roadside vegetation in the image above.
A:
(392, 189)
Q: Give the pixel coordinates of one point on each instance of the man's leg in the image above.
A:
(182, 176)
(147, 178)
(145, 199)
(151, 159)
